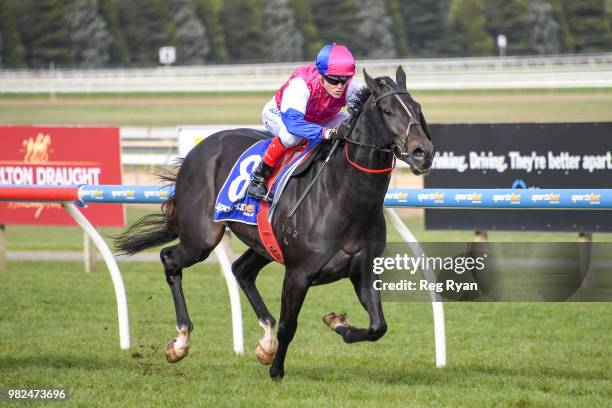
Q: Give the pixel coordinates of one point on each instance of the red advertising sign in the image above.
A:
(59, 156)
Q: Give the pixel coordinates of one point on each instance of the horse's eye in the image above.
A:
(387, 111)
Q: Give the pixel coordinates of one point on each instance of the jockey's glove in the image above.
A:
(331, 134)
(337, 133)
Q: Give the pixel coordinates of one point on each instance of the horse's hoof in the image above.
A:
(276, 374)
(171, 355)
(333, 320)
(264, 357)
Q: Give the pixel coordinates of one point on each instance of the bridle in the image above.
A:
(396, 150)
(412, 120)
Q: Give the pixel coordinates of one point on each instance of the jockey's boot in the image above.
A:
(257, 188)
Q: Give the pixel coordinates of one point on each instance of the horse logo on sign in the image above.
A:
(37, 151)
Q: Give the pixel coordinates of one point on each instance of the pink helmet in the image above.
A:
(334, 59)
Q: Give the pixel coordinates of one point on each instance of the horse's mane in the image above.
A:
(355, 105)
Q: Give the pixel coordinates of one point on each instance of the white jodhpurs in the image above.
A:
(271, 118)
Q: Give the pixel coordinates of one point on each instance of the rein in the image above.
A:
(365, 169)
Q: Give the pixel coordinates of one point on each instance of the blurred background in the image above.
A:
(129, 33)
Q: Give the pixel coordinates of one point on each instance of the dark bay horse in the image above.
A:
(336, 233)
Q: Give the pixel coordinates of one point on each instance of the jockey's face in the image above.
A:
(336, 88)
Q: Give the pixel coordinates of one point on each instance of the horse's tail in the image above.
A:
(150, 230)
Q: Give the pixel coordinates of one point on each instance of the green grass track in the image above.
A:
(59, 329)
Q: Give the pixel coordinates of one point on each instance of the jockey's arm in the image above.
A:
(293, 109)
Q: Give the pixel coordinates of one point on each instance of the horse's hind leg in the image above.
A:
(175, 258)
(245, 269)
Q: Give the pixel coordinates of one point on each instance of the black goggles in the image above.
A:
(335, 80)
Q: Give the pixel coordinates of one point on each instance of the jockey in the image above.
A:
(306, 107)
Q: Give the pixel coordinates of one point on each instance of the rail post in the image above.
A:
(89, 254)
(113, 269)
(2, 247)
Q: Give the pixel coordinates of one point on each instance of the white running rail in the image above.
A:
(558, 71)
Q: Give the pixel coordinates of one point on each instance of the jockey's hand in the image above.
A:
(344, 128)
(337, 133)
(331, 134)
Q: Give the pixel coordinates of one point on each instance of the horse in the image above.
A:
(336, 232)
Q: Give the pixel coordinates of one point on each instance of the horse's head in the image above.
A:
(403, 119)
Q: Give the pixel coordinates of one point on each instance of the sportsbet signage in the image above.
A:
(59, 156)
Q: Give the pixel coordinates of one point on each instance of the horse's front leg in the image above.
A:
(370, 300)
(295, 287)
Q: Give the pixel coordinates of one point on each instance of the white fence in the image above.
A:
(148, 145)
(160, 145)
(563, 71)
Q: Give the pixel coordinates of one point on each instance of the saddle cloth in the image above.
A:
(233, 204)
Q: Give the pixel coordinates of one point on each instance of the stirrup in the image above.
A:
(257, 190)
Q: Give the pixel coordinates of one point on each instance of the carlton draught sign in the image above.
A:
(59, 156)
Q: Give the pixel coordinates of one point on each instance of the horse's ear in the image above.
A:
(400, 77)
(371, 82)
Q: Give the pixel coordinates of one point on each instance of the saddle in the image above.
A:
(233, 204)
(316, 153)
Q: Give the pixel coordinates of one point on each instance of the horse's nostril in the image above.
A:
(418, 153)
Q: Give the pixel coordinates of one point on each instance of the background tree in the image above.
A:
(208, 12)
(90, 39)
(306, 25)
(588, 24)
(373, 37)
(336, 21)
(426, 26)
(285, 40)
(192, 43)
(509, 17)
(118, 50)
(467, 28)
(565, 36)
(42, 30)
(243, 28)
(545, 31)
(146, 29)
(12, 51)
(35, 33)
(397, 28)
